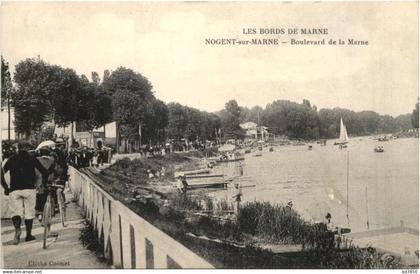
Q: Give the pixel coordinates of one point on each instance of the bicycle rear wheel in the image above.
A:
(46, 220)
(61, 207)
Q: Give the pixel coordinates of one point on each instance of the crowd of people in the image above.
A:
(27, 172)
(85, 156)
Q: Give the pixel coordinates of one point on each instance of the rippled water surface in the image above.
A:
(383, 187)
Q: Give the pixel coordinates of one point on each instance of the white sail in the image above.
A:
(343, 132)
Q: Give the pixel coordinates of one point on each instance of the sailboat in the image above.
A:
(343, 139)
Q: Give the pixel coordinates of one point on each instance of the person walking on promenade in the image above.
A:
(22, 193)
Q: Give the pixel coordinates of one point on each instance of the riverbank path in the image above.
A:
(65, 252)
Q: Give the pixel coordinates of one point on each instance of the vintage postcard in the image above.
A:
(251, 135)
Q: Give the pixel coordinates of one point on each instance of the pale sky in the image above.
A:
(165, 42)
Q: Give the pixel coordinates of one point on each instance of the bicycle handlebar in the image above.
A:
(55, 185)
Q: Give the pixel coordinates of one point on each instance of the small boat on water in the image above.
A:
(192, 172)
(310, 147)
(271, 149)
(343, 139)
(258, 154)
(230, 157)
(383, 139)
(322, 142)
(341, 146)
(299, 143)
(228, 153)
(199, 185)
(379, 149)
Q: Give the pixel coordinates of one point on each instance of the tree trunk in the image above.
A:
(117, 137)
(71, 135)
(139, 134)
(92, 139)
(8, 117)
(54, 129)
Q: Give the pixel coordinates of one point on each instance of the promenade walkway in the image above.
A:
(66, 252)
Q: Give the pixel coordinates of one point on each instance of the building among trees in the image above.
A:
(4, 124)
(252, 130)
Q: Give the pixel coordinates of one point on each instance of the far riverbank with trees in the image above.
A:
(41, 92)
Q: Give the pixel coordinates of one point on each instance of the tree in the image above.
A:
(251, 115)
(387, 124)
(70, 100)
(51, 93)
(177, 122)
(230, 120)
(96, 105)
(415, 115)
(31, 103)
(107, 73)
(403, 122)
(6, 90)
(102, 112)
(131, 100)
(156, 121)
(95, 78)
(275, 115)
(292, 119)
(191, 124)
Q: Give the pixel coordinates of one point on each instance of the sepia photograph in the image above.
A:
(209, 135)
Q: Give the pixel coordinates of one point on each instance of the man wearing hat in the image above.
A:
(330, 225)
(22, 193)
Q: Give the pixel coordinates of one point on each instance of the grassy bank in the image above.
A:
(237, 251)
(263, 222)
(129, 178)
(135, 171)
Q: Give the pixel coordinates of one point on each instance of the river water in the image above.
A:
(383, 188)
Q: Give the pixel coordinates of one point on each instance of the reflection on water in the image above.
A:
(383, 187)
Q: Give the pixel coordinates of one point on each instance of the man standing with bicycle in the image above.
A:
(22, 193)
(47, 161)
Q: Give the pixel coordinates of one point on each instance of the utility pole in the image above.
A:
(117, 136)
(140, 134)
(367, 209)
(8, 115)
(348, 220)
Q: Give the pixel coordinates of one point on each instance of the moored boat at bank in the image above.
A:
(379, 149)
(383, 139)
(230, 157)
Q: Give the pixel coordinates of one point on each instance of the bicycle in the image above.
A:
(49, 209)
